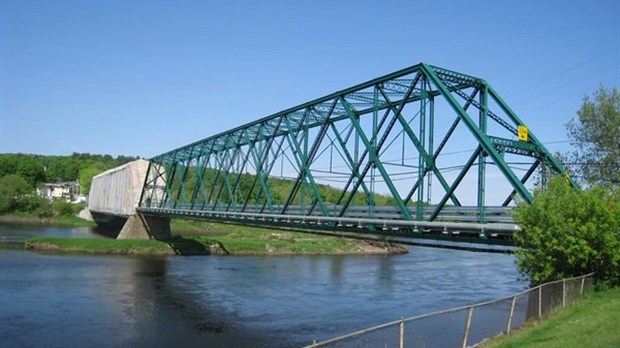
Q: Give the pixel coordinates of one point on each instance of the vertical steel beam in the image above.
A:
(421, 159)
(482, 123)
(431, 136)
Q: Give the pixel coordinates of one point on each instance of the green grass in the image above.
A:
(256, 240)
(593, 321)
(25, 217)
(101, 245)
(200, 238)
(194, 246)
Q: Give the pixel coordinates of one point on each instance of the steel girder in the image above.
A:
(282, 164)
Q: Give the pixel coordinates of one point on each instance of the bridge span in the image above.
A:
(422, 152)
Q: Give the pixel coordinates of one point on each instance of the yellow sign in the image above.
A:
(522, 133)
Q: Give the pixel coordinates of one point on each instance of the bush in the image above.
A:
(34, 204)
(62, 208)
(78, 207)
(569, 233)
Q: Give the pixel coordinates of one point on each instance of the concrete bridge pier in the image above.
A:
(140, 226)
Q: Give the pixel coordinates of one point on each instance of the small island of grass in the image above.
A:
(205, 238)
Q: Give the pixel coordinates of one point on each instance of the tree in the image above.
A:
(86, 178)
(8, 164)
(31, 170)
(12, 187)
(596, 133)
(566, 232)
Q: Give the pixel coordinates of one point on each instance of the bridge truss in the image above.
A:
(411, 151)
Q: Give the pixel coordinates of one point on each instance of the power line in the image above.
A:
(564, 98)
(562, 72)
(538, 95)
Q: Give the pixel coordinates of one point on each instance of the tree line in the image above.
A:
(39, 169)
(22, 174)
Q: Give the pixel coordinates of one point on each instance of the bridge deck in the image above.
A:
(457, 228)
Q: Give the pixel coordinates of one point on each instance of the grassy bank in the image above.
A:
(201, 238)
(259, 240)
(30, 218)
(174, 246)
(594, 321)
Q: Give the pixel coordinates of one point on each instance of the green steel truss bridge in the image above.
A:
(409, 154)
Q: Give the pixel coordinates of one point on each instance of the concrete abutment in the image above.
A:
(140, 226)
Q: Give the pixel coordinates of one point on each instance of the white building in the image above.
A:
(68, 191)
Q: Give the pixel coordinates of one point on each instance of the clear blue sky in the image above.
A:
(144, 77)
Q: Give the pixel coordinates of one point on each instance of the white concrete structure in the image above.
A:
(114, 197)
(117, 191)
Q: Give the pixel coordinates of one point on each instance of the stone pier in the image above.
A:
(140, 226)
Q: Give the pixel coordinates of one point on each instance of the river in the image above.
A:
(78, 300)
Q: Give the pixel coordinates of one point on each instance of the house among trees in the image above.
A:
(67, 191)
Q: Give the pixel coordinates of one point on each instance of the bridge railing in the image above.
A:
(492, 214)
(469, 232)
(468, 325)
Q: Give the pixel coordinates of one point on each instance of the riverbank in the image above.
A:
(174, 246)
(192, 237)
(248, 240)
(591, 322)
(32, 219)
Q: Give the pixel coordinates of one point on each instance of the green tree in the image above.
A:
(8, 164)
(31, 170)
(86, 178)
(596, 133)
(567, 232)
(12, 187)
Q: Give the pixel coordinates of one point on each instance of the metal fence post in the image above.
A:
(540, 301)
(467, 325)
(512, 310)
(402, 332)
(563, 293)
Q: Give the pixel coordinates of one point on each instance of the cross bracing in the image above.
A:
(418, 144)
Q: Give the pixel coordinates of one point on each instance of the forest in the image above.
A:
(39, 169)
(22, 174)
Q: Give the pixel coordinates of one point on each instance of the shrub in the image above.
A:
(34, 204)
(567, 233)
(62, 208)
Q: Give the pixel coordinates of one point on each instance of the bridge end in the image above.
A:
(140, 226)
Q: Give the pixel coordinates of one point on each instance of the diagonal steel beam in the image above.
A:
(482, 138)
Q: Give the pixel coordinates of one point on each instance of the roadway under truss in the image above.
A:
(416, 145)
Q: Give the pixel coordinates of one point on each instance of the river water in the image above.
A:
(77, 300)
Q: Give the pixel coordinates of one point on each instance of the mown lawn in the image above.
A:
(594, 321)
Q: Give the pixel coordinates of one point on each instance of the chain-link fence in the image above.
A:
(467, 325)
